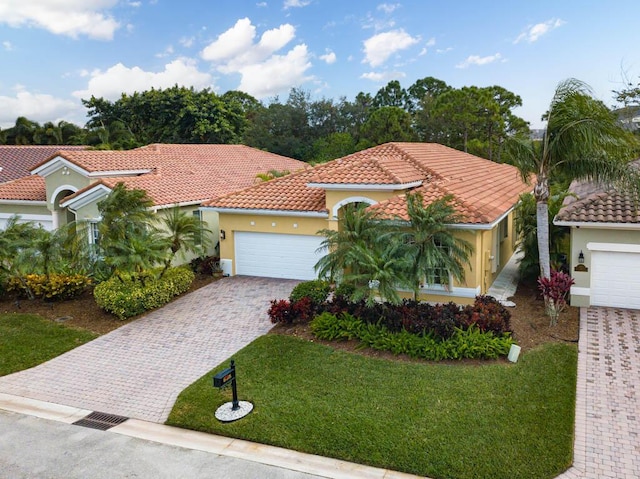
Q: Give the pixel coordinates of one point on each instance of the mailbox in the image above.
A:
(223, 378)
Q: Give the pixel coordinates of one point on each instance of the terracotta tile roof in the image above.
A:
(288, 193)
(484, 190)
(594, 203)
(29, 188)
(16, 161)
(184, 173)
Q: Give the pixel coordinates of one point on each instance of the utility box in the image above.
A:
(226, 265)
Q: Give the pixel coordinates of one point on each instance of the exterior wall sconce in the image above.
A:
(581, 257)
(223, 234)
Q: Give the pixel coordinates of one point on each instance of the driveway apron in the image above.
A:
(139, 369)
(607, 430)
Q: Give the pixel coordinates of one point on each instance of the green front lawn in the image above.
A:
(27, 340)
(446, 421)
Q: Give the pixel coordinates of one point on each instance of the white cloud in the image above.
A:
(440, 51)
(167, 52)
(382, 77)
(478, 60)
(119, 79)
(263, 71)
(187, 42)
(295, 3)
(35, 106)
(533, 32)
(278, 73)
(7, 45)
(380, 47)
(329, 57)
(431, 42)
(261, 4)
(62, 17)
(388, 7)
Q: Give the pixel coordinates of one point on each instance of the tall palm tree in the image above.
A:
(584, 141)
(434, 252)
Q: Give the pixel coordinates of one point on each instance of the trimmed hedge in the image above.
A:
(469, 343)
(129, 296)
(55, 287)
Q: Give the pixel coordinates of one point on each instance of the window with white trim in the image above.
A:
(503, 229)
(94, 234)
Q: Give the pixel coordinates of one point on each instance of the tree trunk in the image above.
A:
(542, 217)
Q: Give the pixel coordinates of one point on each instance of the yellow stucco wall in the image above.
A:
(580, 237)
(334, 197)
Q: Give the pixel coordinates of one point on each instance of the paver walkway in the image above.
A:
(607, 431)
(139, 369)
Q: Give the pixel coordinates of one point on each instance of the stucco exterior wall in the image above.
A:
(340, 197)
(580, 237)
(62, 178)
(35, 213)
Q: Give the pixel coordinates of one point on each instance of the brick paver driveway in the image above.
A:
(607, 433)
(139, 369)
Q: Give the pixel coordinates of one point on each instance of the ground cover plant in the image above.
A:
(28, 340)
(498, 420)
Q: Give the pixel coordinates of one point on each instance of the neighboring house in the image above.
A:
(605, 246)
(27, 195)
(270, 229)
(68, 186)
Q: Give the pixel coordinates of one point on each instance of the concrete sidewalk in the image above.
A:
(38, 440)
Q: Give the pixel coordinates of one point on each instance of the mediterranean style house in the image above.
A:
(68, 184)
(270, 229)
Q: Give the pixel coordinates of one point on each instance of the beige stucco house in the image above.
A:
(271, 229)
(605, 246)
(68, 185)
(15, 164)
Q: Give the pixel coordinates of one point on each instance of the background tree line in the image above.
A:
(472, 119)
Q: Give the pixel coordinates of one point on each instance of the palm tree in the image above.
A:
(433, 252)
(583, 141)
(126, 218)
(16, 255)
(354, 249)
(182, 232)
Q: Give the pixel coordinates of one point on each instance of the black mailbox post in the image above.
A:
(223, 379)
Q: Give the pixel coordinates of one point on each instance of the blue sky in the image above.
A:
(53, 53)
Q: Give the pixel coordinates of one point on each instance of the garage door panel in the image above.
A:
(277, 255)
(615, 279)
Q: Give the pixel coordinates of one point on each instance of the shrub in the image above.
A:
(55, 287)
(345, 291)
(129, 296)
(287, 312)
(488, 314)
(206, 265)
(555, 290)
(317, 291)
(470, 343)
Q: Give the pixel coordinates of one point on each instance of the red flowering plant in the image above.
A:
(555, 291)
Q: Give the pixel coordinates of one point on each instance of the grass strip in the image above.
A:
(27, 340)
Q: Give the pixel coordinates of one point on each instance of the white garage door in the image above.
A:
(277, 255)
(615, 279)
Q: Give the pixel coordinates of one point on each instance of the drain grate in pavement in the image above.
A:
(100, 420)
